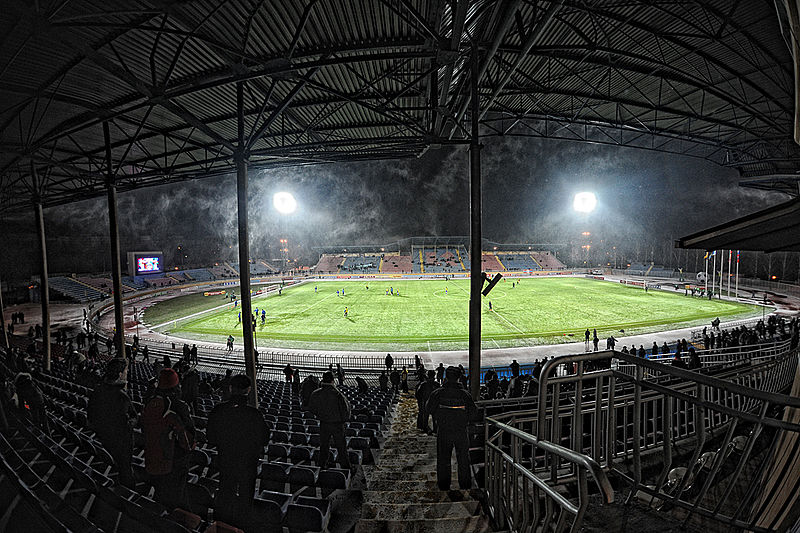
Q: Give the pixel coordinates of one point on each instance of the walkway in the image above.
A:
(401, 493)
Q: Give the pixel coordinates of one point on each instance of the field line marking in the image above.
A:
(508, 322)
(429, 345)
(315, 303)
(192, 315)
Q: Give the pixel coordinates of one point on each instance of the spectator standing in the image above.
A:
(225, 385)
(31, 400)
(389, 362)
(168, 433)
(586, 337)
(190, 388)
(333, 410)
(383, 381)
(595, 340)
(238, 457)
(423, 394)
(288, 372)
(193, 354)
(340, 374)
(111, 416)
(452, 408)
(404, 379)
(310, 384)
(440, 373)
(394, 377)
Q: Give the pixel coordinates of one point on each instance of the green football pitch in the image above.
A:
(433, 314)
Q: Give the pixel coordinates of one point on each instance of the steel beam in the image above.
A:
(44, 286)
(244, 247)
(3, 319)
(476, 275)
(113, 226)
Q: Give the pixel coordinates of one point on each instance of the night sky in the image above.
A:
(646, 200)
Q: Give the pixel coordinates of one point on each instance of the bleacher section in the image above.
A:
(199, 274)
(547, 261)
(72, 289)
(396, 264)
(74, 477)
(436, 260)
(518, 261)
(329, 264)
(222, 272)
(489, 263)
(361, 263)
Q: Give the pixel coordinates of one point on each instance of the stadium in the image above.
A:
(266, 264)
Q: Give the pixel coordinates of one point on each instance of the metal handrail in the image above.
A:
(516, 494)
(667, 416)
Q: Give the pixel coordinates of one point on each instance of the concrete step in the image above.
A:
(398, 475)
(394, 485)
(472, 524)
(419, 511)
(419, 497)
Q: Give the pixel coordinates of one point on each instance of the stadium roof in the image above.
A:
(344, 80)
(771, 230)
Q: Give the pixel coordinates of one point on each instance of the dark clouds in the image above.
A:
(644, 197)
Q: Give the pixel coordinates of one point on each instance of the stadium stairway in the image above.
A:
(401, 493)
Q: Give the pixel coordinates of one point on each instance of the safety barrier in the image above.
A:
(698, 446)
(524, 500)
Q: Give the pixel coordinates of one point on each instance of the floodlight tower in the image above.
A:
(585, 203)
(285, 204)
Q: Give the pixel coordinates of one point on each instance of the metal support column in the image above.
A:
(244, 248)
(476, 276)
(113, 225)
(44, 287)
(3, 319)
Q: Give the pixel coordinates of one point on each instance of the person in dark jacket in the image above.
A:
(452, 408)
(168, 432)
(389, 362)
(332, 410)
(394, 377)
(111, 416)
(422, 394)
(361, 384)
(309, 385)
(237, 457)
(383, 381)
(190, 386)
(31, 401)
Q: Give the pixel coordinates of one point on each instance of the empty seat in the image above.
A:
(277, 451)
(274, 476)
(303, 476)
(269, 510)
(308, 514)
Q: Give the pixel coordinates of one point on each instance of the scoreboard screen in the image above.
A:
(146, 262)
(148, 265)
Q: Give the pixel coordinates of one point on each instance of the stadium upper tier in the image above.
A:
(430, 260)
(90, 288)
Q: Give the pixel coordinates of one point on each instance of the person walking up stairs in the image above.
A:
(402, 494)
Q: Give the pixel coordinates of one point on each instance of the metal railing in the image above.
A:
(524, 500)
(721, 356)
(694, 444)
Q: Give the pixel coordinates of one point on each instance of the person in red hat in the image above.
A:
(168, 432)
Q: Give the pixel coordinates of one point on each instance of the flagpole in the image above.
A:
(737, 273)
(706, 258)
(730, 256)
(721, 271)
(714, 272)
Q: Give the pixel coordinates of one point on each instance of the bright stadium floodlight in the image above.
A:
(284, 202)
(584, 202)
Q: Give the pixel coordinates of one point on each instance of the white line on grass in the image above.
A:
(193, 315)
(508, 321)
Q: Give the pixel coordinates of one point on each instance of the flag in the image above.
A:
(737, 256)
(714, 252)
(705, 256)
